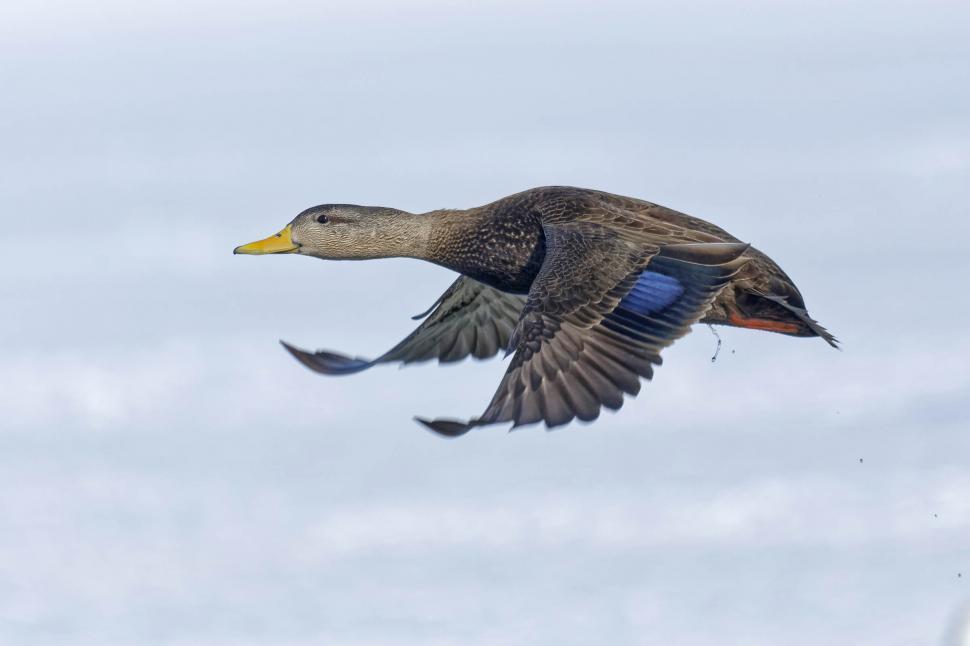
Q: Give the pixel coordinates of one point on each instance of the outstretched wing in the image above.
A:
(470, 318)
(598, 315)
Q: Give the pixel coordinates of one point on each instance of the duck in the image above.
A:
(583, 288)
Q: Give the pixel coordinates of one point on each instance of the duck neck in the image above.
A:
(504, 253)
(392, 234)
(450, 231)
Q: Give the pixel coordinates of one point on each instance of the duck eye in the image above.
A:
(323, 219)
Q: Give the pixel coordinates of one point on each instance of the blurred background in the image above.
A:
(169, 475)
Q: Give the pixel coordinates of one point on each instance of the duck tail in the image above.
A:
(766, 299)
(775, 313)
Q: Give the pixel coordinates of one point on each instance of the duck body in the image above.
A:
(502, 245)
(583, 287)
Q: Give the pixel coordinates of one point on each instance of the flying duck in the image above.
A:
(583, 288)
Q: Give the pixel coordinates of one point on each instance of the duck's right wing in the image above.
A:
(470, 319)
(599, 313)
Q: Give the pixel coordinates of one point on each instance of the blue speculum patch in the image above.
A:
(652, 293)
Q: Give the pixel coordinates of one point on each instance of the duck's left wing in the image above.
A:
(470, 319)
(599, 312)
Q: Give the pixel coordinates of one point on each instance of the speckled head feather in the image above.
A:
(352, 232)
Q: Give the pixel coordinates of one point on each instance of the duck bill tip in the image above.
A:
(281, 242)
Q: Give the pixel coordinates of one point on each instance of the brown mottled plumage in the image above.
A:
(584, 287)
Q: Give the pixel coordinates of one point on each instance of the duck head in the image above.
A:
(343, 232)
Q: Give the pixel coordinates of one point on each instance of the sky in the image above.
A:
(169, 475)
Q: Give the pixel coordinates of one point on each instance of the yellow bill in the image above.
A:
(282, 242)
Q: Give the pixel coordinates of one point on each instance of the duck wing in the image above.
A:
(598, 314)
(470, 319)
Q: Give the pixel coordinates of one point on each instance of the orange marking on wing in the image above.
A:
(763, 324)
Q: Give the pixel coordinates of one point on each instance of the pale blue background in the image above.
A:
(168, 475)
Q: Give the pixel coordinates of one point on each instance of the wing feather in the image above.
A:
(470, 318)
(598, 315)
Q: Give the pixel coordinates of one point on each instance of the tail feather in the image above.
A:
(803, 316)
